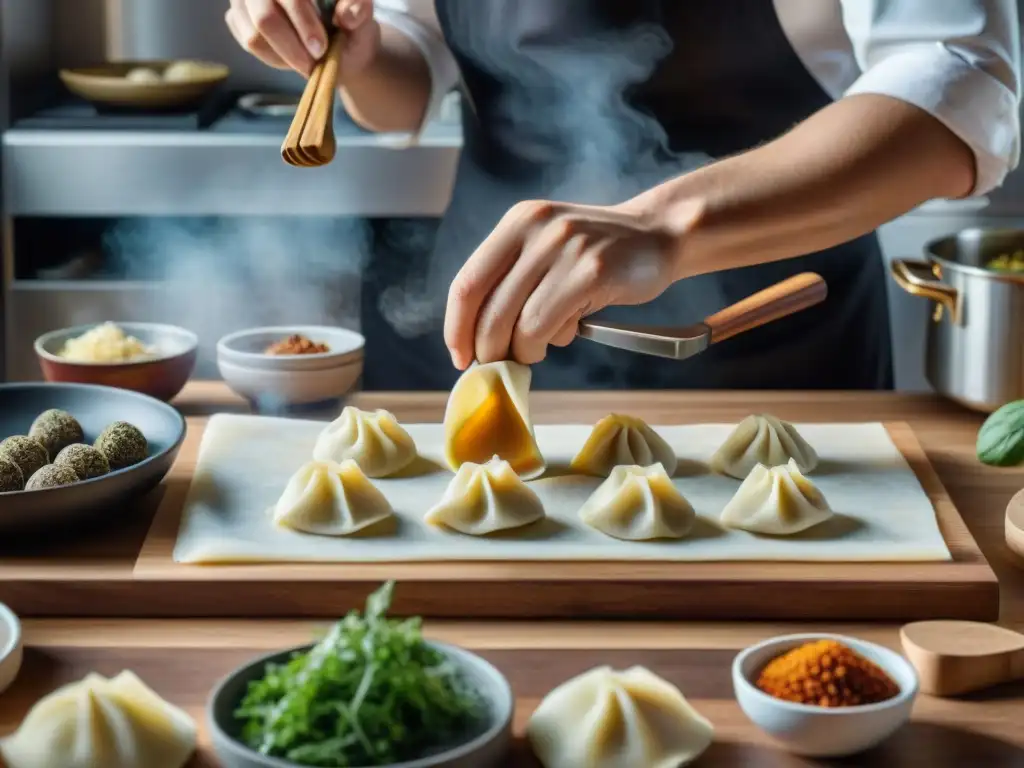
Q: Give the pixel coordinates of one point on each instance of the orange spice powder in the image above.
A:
(297, 345)
(826, 673)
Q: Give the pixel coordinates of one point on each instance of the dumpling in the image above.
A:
(102, 723)
(488, 414)
(330, 499)
(778, 501)
(374, 440)
(607, 718)
(484, 498)
(639, 503)
(762, 439)
(618, 440)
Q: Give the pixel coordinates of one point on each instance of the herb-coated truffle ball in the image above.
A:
(11, 478)
(86, 461)
(28, 454)
(51, 476)
(56, 430)
(123, 445)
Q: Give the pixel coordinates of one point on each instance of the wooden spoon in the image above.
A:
(956, 657)
(1014, 527)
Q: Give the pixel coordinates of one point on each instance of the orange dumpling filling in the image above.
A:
(491, 425)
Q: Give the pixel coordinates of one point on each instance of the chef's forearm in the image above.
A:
(393, 92)
(851, 167)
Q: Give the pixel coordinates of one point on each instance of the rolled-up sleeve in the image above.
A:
(957, 59)
(417, 20)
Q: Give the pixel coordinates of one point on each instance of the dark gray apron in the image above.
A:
(593, 101)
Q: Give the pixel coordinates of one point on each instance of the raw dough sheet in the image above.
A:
(883, 513)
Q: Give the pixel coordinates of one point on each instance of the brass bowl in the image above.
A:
(108, 84)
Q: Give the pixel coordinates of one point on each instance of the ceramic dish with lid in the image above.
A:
(162, 374)
(823, 731)
(11, 650)
(486, 749)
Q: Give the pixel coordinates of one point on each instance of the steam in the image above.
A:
(220, 275)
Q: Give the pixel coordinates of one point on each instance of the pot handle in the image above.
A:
(906, 273)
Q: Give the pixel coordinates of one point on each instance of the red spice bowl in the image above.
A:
(816, 731)
(162, 375)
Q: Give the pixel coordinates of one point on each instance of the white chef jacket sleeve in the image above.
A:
(957, 59)
(417, 19)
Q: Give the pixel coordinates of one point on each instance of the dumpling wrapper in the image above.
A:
(372, 439)
(330, 499)
(606, 718)
(618, 440)
(486, 498)
(762, 439)
(488, 414)
(102, 723)
(777, 501)
(638, 504)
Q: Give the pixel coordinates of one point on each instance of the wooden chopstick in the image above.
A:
(312, 94)
(317, 138)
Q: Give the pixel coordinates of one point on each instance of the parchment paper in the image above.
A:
(244, 462)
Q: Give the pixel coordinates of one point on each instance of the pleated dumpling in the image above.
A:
(607, 718)
(485, 498)
(372, 439)
(637, 504)
(777, 501)
(330, 499)
(762, 439)
(102, 723)
(618, 440)
(488, 414)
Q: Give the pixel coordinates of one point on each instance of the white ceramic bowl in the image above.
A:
(271, 391)
(11, 650)
(245, 349)
(823, 731)
(276, 383)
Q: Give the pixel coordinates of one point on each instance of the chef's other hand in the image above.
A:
(547, 265)
(288, 34)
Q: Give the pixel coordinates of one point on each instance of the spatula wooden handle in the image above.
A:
(791, 295)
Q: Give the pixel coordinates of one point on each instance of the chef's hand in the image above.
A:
(547, 265)
(288, 34)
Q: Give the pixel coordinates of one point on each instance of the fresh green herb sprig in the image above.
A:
(371, 693)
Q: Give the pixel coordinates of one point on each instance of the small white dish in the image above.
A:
(823, 731)
(11, 650)
(270, 390)
(281, 383)
(247, 348)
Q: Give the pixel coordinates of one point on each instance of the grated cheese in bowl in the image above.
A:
(105, 343)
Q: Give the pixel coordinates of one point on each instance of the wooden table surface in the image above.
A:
(181, 659)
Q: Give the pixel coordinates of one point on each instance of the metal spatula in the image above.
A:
(778, 301)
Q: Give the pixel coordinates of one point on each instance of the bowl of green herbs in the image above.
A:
(371, 692)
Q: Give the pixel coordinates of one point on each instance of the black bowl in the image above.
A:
(94, 407)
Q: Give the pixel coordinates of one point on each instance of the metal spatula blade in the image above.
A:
(672, 343)
(780, 300)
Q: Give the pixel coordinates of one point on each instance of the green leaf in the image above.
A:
(379, 602)
(370, 692)
(1001, 437)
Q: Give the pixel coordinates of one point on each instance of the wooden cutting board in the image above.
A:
(964, 588)
(182, 660)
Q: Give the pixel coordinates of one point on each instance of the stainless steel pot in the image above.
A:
(975, 352)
